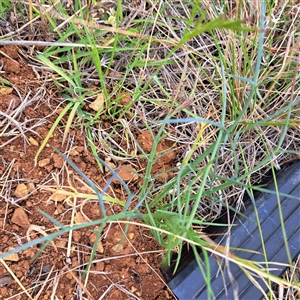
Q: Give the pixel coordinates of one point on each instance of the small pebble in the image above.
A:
(20, 218)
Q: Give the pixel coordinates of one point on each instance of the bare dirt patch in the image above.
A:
(126, 265)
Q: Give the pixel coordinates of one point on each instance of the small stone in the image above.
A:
(29, 204)
(21, 190)
(18, 274)
(100, 248)
(75, 263)
(69, 275)
(30, 186)
(44, 162)
(4, 290)
(49, 168)
(11, 257)
(5, 280)
(33, 142)
(12, 66)
(80, 149)
(46, 268)
(79, 218)
(76, 236)
(74, 152)
(20, 218)
(29, 253)
(59, 209)
(131, 235)
(58, 161)
(110, 164)
(5, 90)
(60, 243)
(100, 266)
(117, 248)
(127, 173)
(125, 99)
(59, 111)
(5, 239)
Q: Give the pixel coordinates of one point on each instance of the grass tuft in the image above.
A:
(218, 82)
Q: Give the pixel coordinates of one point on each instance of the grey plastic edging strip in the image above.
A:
(190, 284)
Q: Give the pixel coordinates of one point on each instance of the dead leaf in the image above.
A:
(39, 229)
(57, 197)
(98, 104)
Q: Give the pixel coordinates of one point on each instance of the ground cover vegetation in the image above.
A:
(128, 127)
